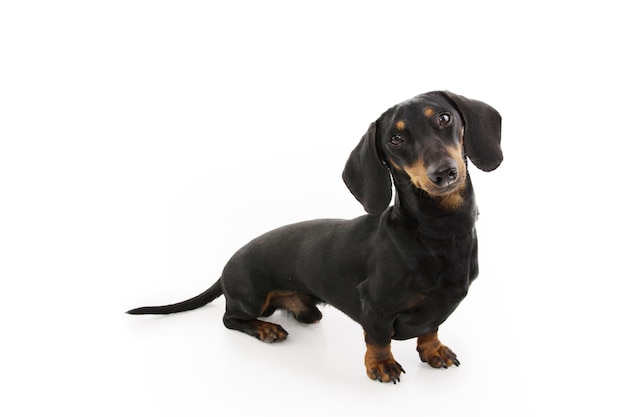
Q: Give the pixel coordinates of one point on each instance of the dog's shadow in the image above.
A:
(326, 348)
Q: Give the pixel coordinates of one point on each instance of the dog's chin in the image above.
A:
(450, 197)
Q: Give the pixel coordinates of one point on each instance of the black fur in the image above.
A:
(399, 271)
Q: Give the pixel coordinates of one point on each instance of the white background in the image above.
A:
(143, 142)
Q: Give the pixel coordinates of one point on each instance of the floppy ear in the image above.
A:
(482, 126)
(366, 176)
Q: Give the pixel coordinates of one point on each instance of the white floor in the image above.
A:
(141, 144)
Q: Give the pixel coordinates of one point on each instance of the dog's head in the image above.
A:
(424, 140)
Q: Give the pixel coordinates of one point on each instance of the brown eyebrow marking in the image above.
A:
(429, 112)
(400, 125)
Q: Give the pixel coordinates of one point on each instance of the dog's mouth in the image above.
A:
(439, 181)
(441, 190)
(449, 196)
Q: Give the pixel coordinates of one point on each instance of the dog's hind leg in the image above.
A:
(301, 306)
(243, 317)
(262, 330)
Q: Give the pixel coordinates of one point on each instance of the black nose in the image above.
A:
(443, 174)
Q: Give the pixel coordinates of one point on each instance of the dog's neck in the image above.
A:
(434, 214)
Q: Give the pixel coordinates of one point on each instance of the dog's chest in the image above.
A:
(440, 264)
(433, 285)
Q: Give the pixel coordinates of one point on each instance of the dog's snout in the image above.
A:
(444, 174)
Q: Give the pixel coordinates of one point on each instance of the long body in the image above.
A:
(398, 271)
(320, 258)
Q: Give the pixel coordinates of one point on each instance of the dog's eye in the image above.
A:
(444, 119)
(396, 140)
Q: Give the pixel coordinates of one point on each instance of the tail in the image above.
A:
(193, 303)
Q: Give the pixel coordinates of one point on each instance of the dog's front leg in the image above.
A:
(379, 362)
(435, 353)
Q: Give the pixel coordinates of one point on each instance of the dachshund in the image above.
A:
(400, 270)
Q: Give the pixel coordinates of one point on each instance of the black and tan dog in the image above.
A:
(399, 271)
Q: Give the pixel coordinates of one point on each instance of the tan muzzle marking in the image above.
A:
(417, 172)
